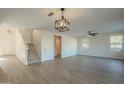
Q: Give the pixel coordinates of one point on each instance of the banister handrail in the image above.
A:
(25, 43)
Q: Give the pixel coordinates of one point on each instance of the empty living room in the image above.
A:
(61, 45)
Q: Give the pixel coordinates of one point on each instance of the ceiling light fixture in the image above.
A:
(9, 31)
(63, 24)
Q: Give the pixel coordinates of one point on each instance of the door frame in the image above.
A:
(60, 37)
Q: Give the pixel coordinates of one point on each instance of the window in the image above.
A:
(116, 42)
(85, 43)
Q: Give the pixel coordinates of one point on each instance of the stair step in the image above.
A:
(33, 59)
(32, 52)
(36, 61)
(33, 56)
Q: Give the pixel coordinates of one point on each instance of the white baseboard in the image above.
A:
(102, 56)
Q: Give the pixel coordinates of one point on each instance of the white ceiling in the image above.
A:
(81, 19)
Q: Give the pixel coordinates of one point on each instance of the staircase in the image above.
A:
(33, 57)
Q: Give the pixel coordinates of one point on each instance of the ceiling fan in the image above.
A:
(92, 33)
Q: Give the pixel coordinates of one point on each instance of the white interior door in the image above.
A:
(7, 41)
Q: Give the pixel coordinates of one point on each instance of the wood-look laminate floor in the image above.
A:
(76, 69)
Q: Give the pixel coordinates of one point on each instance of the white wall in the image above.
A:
(36, 38)
(27, 35)
(100, 46)
(47, 46)
(11, 42)
(20, 48)
(68, 45)
(44, 44)
(7, 40)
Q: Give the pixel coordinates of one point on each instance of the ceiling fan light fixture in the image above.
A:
(90, 33)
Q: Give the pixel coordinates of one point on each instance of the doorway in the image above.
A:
(7, 44)
(57, 46)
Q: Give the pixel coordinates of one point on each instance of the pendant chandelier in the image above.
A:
(63, 24)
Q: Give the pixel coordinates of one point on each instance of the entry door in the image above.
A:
(57, 46)
(7, 45)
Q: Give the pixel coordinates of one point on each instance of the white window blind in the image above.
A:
(116, 42)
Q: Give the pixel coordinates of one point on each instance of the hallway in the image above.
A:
(75, 69)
